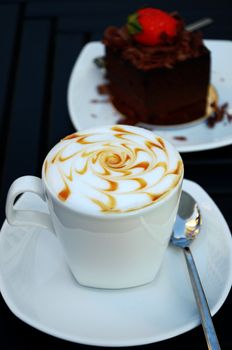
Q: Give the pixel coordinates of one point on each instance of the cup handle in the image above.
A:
(17, 217)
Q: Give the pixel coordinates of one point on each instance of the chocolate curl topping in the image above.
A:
(166, 54)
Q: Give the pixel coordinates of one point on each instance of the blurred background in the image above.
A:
(39, 44)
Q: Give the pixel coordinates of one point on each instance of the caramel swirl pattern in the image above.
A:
(112, 169)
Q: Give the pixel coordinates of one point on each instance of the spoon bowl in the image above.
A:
(188, 222)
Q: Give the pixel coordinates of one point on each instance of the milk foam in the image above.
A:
(112, 169)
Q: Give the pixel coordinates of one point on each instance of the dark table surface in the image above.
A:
(39, 43)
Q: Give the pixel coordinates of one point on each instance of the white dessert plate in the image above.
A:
(38, 287)
(87, 108)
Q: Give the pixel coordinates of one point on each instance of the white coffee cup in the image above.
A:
(104, 250)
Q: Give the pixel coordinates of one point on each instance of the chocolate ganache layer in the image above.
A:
(183, 46)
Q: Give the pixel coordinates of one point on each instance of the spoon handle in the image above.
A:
(199, 24)
(206, 319)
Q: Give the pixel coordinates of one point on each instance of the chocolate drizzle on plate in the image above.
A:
(180, 138)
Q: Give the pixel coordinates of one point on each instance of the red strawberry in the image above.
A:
(149, 24)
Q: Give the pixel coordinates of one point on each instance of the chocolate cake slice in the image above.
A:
(165, 83)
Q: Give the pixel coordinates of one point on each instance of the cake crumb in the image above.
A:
(180, 138)
(103, 89)
(220, 113)
(99, 101)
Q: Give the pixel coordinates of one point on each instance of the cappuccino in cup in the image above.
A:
(112, 170)
(112, 194)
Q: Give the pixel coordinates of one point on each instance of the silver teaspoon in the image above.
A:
(186, 228)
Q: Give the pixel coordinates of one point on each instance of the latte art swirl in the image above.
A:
(113, 169)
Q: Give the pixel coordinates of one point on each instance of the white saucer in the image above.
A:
(38, 287)
(197, 136)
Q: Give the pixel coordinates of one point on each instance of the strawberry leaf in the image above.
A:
(133, 24)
